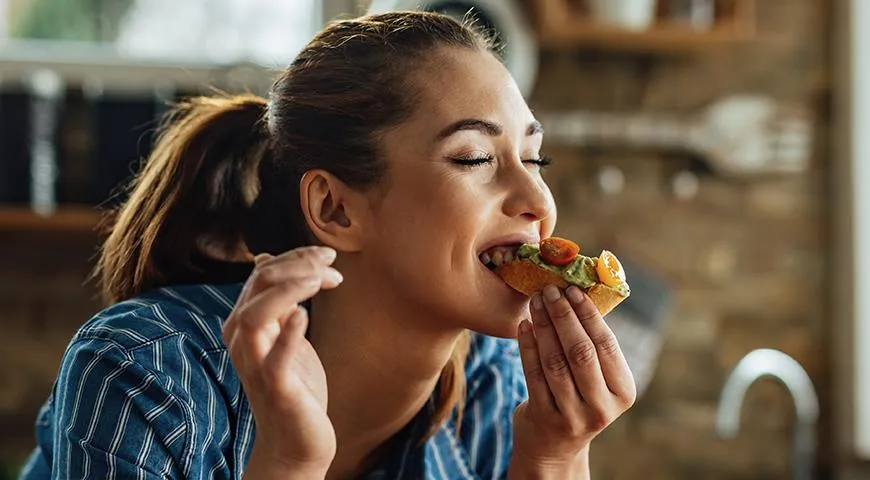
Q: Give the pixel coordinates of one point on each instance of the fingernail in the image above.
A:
(328, 254)
(551, 293)
(334, 275)
(525, 326)
(574, 295)
(537, 304)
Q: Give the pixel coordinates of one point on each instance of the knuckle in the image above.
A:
(299, 252)
(536, 373)
(298, 317)
(308, 258)
(582, 353)
(562, 312)
(264, 276)
(306, 264)
(598, 419)
(248, 323)
(308, 254)
(627, 396)
(588, 313)
(576, 427)
(542, 321)
(607, 345)
(288, 288)
(556, 364)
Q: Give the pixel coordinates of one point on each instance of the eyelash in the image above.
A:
(542, 162)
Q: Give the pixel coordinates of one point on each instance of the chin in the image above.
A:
(501, 320)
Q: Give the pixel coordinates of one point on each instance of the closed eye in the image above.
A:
(479, 161)
(541, 162)
(472, 162)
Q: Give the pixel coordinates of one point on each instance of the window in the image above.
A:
(269, 32)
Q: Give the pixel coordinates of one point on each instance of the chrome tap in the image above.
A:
(767, 362)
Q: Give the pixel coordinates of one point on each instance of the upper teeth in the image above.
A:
(498, 255)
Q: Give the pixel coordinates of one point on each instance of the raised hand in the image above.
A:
(280, 372)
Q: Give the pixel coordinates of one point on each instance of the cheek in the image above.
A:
(444, 203)
(548, 225)
(432, 224)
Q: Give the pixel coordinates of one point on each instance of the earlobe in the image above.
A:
(330, 209)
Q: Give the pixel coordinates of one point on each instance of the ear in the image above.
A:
(333, 211)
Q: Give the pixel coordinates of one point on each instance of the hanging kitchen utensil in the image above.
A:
(737, 136)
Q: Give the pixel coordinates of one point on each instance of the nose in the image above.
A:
(528, 196)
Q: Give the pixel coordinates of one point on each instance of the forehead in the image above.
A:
(457, 83)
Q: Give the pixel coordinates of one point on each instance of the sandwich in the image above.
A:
(557, 261)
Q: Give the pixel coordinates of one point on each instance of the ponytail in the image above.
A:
(195, 190)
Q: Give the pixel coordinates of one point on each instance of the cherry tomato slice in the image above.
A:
(558, 251)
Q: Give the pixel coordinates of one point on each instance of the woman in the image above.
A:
(333, 233)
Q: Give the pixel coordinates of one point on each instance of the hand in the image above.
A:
(282, 376)
(578, 379)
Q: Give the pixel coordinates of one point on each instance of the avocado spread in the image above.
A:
(580, 272)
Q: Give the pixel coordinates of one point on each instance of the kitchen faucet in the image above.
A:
(767, 362)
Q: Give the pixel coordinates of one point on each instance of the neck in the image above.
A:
(381, 364)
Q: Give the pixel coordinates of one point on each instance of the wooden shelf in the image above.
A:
(67, 219)
(661, 39)
(561, 24)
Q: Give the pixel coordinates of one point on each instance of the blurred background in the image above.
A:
(715, 145)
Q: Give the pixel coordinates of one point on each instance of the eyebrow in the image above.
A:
(484, 126)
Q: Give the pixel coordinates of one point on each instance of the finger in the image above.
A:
(257, 323)
(307, 273)
(539, 392)
(270, 270)
(324, 254)
(263, 257)
(614, 367)
(577, 346)
(280, 358)
(556, 369)
(258, 259)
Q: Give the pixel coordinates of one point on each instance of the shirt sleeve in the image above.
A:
(496, 387)
(114, 418)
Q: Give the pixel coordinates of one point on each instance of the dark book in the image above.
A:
(15, 122)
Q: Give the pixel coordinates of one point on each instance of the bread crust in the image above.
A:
(527, 278)
(604, 297)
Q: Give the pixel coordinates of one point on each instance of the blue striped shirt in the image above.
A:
(146, 390)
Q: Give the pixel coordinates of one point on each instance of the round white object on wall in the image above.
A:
(505, 17)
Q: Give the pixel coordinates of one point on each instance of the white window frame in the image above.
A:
(850, 212)
(860, 146)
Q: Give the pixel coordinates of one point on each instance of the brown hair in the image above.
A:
(227, 168)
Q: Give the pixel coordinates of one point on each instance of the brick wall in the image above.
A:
(746, 259)
(43, 299)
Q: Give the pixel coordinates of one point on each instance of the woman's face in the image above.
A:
(463, 176)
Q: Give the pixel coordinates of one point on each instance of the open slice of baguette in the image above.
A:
(528, 278)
